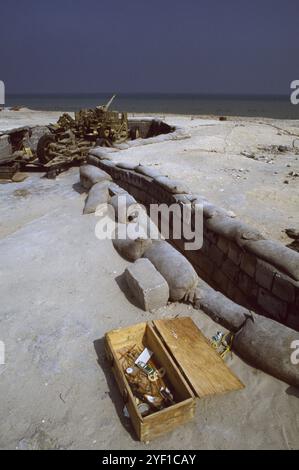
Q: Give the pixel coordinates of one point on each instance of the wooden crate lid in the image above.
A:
(203, 367)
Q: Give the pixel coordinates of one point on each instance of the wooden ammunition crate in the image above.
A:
(193, 369)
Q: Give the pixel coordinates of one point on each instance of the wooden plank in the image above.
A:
(166, 420)
(202, 365)
(179, 386)
(127, 336)
(123, 386)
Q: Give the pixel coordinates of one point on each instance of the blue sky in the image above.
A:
(212, 46)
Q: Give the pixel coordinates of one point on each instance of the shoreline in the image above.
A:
(11, 119)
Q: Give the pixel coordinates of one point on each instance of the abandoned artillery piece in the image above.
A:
(65, 143)
(72, 138)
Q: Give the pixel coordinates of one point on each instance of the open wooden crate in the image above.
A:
(193, 369)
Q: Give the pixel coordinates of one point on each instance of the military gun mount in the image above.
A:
(57, 147)
(73, 138)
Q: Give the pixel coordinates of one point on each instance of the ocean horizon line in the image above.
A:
(151, 94)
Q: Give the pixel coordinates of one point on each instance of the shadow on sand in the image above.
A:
(114, 393)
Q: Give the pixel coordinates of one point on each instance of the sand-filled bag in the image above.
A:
(131, 241)
(277, 254)
(172, 186)
(116, 189)
(126, 165)
(269, 346)
(90, 175)
(102, 152)
(175, 268)
(97, 195)
(148, 171)
(125, 207)
(220, 308)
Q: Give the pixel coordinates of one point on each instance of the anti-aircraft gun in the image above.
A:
(72, 138)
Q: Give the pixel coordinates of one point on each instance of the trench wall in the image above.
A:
(259, 274)
(149, 127)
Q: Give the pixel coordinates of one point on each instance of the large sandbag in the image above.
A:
(115, 189)
(172, 186)
(267, 345)
(221, 309)
(229, 227)
(107, 164)
(131, 241)
(125, 207)
(277, 254)
(126, 165)
(102, 152)
(92, 160)
(90, 175)
(148, 171)
(97, 195)
(209, 209)
(175, 268)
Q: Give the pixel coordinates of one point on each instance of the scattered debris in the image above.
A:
(283, 148)
(268, 152)
(145, 380)
(237, 173)
(293, 173)
(291, 176)
(222, 343)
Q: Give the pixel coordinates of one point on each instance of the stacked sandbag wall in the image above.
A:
(234, 259)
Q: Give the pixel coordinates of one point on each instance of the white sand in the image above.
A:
(210, 162)
(60, 292)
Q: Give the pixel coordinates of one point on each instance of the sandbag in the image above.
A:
(266, 345)
(102, 152)
(92, 160)
(90, 175)
(231, 228)
(277, 254)
(210, 210)
(121, 145)
(175, 268)
(126, 165)
(107, 165)
(130, 241)
(148, 171)
(221, 309)
(115, 189)
(147, 224)
(97, 195)
(171, 185)
(125, 207)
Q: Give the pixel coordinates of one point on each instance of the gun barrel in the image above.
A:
(109, 102)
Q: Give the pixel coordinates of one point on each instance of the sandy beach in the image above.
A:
(61, 291)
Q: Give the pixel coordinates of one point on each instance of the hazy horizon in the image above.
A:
(149, 93)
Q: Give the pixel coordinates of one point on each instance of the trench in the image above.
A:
(258, 274)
